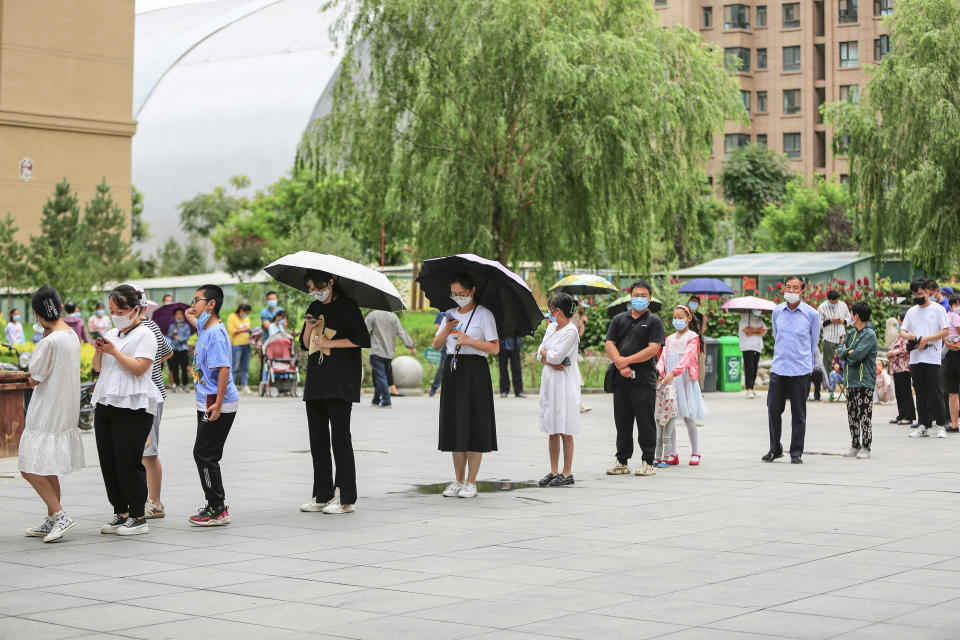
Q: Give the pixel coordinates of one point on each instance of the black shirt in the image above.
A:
(335, 374)
(635, 334)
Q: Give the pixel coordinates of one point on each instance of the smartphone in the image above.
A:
(449, 316)
(96, 335)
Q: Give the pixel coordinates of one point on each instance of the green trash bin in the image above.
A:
(730, 363)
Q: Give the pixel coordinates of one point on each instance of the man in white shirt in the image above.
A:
(924, 327)
(834, 318)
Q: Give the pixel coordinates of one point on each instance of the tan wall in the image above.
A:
(66, 93)
(774, 123)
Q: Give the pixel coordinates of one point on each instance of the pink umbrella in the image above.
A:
(748, 303)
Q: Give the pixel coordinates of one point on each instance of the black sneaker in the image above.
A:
(211, 516)
(561, 480)
(770, 457)
(114, 524)
(133, 527)
(796, 460)
(546, 480)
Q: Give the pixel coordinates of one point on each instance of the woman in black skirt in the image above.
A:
(467, 424)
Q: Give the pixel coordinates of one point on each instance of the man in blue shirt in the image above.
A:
(796, 333)
(267, 313)
(217, 400)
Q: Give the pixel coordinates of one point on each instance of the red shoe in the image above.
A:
(695, 460)
(211, 517)
(672, 460)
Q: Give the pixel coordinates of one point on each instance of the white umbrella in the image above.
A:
(368, 288)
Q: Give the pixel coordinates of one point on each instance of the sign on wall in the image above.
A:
(26, 169)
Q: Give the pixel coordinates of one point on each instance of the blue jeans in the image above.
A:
(381, 388)
(241, 362)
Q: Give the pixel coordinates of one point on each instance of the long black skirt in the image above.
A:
(467, 421)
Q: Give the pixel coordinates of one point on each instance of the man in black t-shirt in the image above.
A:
(634, 340)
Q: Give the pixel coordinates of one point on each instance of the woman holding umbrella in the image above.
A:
(468, 426)
(334, 333)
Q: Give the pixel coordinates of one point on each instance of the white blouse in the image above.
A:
(117, 387)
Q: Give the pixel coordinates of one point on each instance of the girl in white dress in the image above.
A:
(560, 388)
(679, 365)
(50, 445)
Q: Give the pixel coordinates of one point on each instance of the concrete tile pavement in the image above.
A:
(835, 548)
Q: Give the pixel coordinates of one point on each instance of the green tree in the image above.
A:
(812, 217)
(174, 259)
(522, 129)
(139, 228)
(753, 177)
(104, 247)
(904, 138)
(205, 212)
(58, 255)
(13, 254)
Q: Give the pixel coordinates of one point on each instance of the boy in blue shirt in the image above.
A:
(217, 400)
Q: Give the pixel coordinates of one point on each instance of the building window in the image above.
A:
(762, 15)
(843, 144)
(761, 101)
(659, 3)
(791, 145)
(882, 7)
(761, 58)
(881, 47)
(848, 11)
(791, 101)
(849, 54)
(850, 92)
(844, 178)
(762, 140)
(732, 141)
(736, 16)
(791, 15)
(791, 58)
(707, 17)
(730, 53)
(745, 99)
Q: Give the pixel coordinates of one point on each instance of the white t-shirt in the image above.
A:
(482, 327)
(750, 343)
(116, 386)
(924, 321)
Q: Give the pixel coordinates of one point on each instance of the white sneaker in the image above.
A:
(113, 525)
(62, 523)
(452, 490)
(313, 506)
(334, 506)
(646, 470)
(919, 432)
(864, 454)
(41, 529)
(851, 452)
(941, 431)
(133, 527)
(467, 490)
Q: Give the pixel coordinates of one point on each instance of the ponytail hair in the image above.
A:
(693, 323)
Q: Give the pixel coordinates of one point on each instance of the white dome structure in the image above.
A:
(221, 88)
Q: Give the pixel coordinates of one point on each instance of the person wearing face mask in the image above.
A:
(13, 332)
(951, 363)
(924, 327)
(859, 353)
(178, 334)
(238, 327)
(899, 359)
(796, 333)
(279, 324)
(384, 328)
(468, 427)
(75, 322)
(678, 366)
(217, 401)
(99, 320)
(634, 339)
(50, 445)
(126, 401)
(834, 318)
(751, 331)
(695, 304)
(333, 333)
(267, 313)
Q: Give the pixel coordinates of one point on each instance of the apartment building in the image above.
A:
(793, 57)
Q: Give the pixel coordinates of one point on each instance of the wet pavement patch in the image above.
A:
(483, 486)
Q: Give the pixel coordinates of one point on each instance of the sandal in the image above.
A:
(695, 460)
(661, 464)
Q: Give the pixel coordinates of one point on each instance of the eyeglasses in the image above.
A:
(196, 300)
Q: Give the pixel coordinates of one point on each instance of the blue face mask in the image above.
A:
(16, 318)
(639, 304)
(271, 303)
(694, 306)
(551, 318)
(679, 325)
(756, 313)
(202, 320)
(100, 312)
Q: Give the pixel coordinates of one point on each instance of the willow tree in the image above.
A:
(523, 129)
(904, 138)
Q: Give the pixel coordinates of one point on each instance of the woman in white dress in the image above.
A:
(50, 445)
(560, 388)
(679, 365)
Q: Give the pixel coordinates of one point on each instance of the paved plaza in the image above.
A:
(833, 548)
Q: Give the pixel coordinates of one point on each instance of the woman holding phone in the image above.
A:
(126, 401)
(468, 426)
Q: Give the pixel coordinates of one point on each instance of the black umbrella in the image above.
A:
(500, 290)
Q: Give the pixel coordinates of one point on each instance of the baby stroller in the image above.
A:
(280, 373)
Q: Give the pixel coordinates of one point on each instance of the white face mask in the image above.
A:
(792, 298)
(320, 295)
(122, 322)
(462, 301)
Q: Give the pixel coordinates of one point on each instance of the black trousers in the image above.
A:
(329, 424)
(207, 451)
(751, 359)
(121, 435)
(635, 402)
(929, 387)
(817, 379)
(178, 364)
(901, 386)
(510, 363)
(796, 389)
